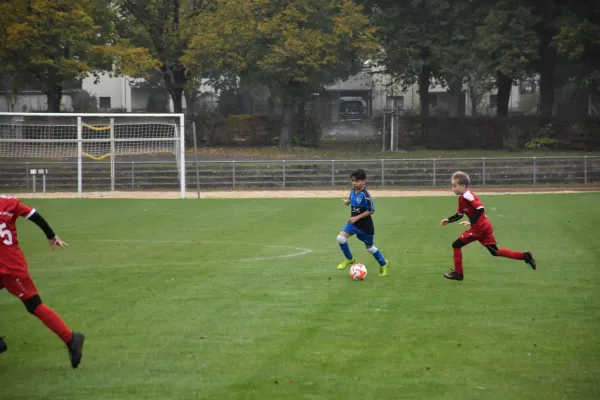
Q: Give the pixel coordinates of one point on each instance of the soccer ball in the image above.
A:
(358, 272)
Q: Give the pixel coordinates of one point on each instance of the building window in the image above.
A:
(493, 100)
(105, 103)
(395, 102)
(528, 87)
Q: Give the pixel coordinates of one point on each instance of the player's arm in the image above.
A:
(363, 215)
(37, 219)
(478, 213)
(451, 219)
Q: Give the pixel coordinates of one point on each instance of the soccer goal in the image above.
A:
(94, 141)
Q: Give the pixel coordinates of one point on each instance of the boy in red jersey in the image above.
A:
(14, 274)
(480, 227)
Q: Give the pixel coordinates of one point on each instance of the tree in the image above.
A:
(411, 34)
(58, 41)
(459, 63)
(479, 82)
(12, 83)
(507, 44)
(294, 46)
(164, 27)
(578, 43)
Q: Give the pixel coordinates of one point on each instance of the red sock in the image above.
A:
(53, 321)
(516, 255)
(457, 261)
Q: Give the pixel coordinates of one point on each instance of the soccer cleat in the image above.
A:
(75, 348)
(3, 346)
(530, 260)
(383, 269)
(345, 263)
(454, 276)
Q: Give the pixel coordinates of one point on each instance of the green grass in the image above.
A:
(168, 314)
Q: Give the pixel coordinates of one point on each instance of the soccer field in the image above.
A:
(241, 299)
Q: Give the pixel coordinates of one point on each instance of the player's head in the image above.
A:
(358, 176)
(460, 182)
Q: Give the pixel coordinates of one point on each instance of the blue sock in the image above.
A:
(346, 250)
(379, 257)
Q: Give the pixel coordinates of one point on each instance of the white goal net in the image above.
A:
(97, 138)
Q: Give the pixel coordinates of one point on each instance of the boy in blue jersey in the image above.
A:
(360, 222)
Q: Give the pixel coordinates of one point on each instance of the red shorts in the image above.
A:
(14, 276)
(484, 236)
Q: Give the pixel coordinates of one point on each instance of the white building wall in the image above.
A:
(117, 88)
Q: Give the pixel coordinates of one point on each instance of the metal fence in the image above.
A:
(270, 174)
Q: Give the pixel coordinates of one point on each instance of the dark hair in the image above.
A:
(359, 174)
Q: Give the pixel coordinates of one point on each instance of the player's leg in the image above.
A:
(369, 242)
(22, 286)
(526, 256)
(464, 239)
(342, 239)
(3, 346)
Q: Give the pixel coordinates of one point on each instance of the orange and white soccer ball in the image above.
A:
(358, 272)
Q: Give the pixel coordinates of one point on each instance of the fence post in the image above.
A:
(483, 169)
(534, 170)
(27, 174)
(585, 179)
(434, 173)
(332, 173)
(132, 175)
(283, 173)
(233, 173)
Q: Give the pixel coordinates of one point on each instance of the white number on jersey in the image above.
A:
(5, 233)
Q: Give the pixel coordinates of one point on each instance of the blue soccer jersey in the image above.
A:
(359, 203)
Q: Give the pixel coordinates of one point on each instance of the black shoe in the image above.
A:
(529, 259)
(76, 349)
(453, 275)
(3, 346)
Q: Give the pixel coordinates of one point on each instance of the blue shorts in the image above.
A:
(363, 237)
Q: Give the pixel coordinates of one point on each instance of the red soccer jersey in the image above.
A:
(468, 203)
(10, 209)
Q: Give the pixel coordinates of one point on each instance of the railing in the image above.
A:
(264, 174)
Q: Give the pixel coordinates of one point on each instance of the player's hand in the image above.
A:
(464, 223)
(352, 220)
(445, 222)
(55, 241)
(346, 202)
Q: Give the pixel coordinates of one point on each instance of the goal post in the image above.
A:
(96, 137)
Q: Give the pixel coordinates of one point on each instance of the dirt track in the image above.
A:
(282, 194)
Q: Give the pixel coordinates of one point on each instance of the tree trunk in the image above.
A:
(176, 96)
(424, 81)
(504, 84)
(190, 112)
(54, 98)
(456, 92)
(285, 138)
(548, 58)
(175, 79)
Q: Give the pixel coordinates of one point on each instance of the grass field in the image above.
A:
(240, 299)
